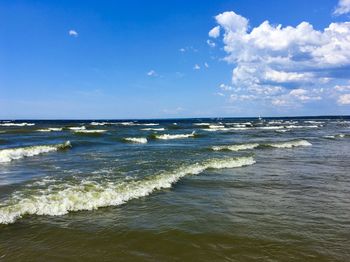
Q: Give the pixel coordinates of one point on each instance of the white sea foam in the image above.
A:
(270, 127)
(50, 129)
(201, 124)
(289, 144)
(153, 129)
(7, 155)
(141, 140)
(84, 131)
(216, 126)
(17, 124)
(90, 195)
(285, 144)
(237, 147)
(294, 126)
(98, 123)
(282, 130)
(125, 123)
(314, 122)
(149, 124)
(335, 136)
(77, 128)
(175, 136)
(225, 129)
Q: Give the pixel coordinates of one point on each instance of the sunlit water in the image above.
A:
(175, 190)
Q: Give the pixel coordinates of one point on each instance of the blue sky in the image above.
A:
(151, 59)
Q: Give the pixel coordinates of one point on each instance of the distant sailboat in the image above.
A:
(260, 118)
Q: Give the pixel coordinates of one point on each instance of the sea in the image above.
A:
(202, 189)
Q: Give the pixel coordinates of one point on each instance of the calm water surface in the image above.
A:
(175, 190)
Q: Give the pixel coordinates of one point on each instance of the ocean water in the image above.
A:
(274, 189)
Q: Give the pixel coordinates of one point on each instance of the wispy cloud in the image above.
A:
(211, 43)
(342, 8)
(188, 49)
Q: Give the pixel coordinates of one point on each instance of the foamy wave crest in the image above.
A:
(141, 140)
(216, 126)
(84, 131)
(176, 136)
(77, 128)
(90, 195)
(336, 136)
(236, 147)
(201, 124)
(289, 144)
(286, 144)
(17, 124)
(7, 155)
(149, 124)
(153, 129)
(50, 129)
(98, 123)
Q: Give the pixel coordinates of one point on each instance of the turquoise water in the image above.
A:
(175, 190)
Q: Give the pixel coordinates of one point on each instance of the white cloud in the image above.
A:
(344, 99)
(196, 67)
(226, 87)
(152, 73)
(272, 60)
(211, 43)
(215, 32)
(342, 88)
(304, 95)
(206, 65)
(187, 49)
(343, 7)
(73, 33)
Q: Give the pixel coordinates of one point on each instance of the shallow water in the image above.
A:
(175, 190)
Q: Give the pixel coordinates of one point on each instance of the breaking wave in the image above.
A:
(236, 147)
(286, 144)
(336, 136)
(17, 124)
(77, 128)
(90, 195)
(153, 129)
(141, 140)
(51, 129)
(84, 131)
(175, 136)
(7, 155)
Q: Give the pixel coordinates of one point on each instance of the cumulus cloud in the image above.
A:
(344, 99)
(343, 7)
(73, 33)
(272, 60)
